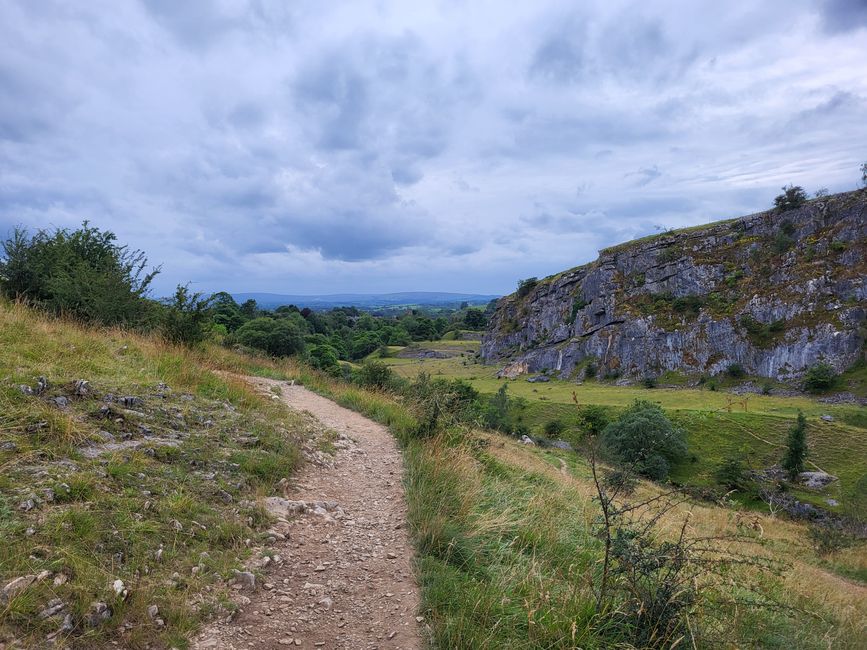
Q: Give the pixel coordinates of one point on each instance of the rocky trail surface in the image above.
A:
(342, 575)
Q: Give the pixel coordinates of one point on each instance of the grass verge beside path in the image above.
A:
(506, 555)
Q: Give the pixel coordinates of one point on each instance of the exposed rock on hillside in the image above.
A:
(773, 292)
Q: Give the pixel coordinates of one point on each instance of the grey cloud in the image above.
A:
(844, 15)
(337, 144)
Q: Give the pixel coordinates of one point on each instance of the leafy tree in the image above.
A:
(796, 447)
(249, 308)
(278, 338)
(864, 174)
(793, 196)
(82, 272)
(646, 439)
(185, 317)
(819, 378)
(363, 344)
(226, 312)
(475, 319)
(324, 357)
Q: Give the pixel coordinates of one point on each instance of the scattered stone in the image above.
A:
(120, 589)
(99, 613)
(815, 480)
(60, 579)
(526, 440)
(60, 401)
(8, 446)
(224, 496)
(28, 504)
(36, 426)
(827, 418)
(16, 586)
(561, 444)
(832, 502)
(25, 389)
(538, 379)
(81, 387)
(245, 579)
(55, 606)
(41, 385)
(130, 401)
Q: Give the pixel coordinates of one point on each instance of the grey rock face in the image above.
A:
(698, 301)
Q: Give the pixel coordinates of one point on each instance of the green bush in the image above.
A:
(593, 417)
(645, 439)
(731, 473)
(496, 413)
(84, 273)
(649, 381)
(554, 428)
(323, 357)
(736, 371)
(526, 286)
(277, 337)
(819, 378)
(185, 317)
(796, 447)
(374, 374)
(793, 196)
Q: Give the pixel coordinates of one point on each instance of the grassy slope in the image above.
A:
(505, 551)
(719, 424)
(121, 508)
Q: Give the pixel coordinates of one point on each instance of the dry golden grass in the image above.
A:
(807, 583)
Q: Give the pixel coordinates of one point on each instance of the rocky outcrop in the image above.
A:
(775, 292)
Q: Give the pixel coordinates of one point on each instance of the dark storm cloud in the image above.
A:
(844, 15)
(259, 144)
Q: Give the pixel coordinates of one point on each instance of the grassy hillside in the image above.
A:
(157, 491)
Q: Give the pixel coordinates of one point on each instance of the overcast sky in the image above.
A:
(314, 147)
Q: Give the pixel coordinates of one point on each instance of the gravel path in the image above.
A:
(344, 577)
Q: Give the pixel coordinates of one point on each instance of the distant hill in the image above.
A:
(365, 300)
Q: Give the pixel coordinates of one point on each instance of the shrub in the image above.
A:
(374, 374)
(590, 371)
(793, 196)
(185, 317)
(796, 447)
(731, 473)
(649, 381)
(864, 175)
(819, 378)
(324, 357)
(526, 286)
(496, 415)
(593, 418)
(276, 337)
(822, 193)
(736, 371)
(644, 438)
(475, 319)
(620, 482)
(554, 428)
(829, 539)
(82, 272)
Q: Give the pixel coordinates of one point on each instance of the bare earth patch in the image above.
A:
(344, 577)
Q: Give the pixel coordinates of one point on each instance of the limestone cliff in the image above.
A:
(775, 292)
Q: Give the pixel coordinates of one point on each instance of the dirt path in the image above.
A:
(343, 577)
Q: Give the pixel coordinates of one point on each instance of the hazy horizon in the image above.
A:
(380, 147)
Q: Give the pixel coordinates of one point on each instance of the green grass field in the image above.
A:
(719, 424)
